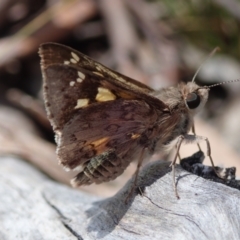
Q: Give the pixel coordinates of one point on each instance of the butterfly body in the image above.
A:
(103, 120)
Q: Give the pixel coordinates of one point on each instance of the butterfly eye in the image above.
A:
(193, 100)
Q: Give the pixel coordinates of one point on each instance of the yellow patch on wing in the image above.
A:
(100, 141)
(100, 145)
(135, 135)
(104, 94)
(82, 103)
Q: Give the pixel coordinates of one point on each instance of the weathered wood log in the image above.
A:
(34, 207)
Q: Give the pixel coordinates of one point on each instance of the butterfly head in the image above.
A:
(195, 96)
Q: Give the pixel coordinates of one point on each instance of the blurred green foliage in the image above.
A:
(204, 23)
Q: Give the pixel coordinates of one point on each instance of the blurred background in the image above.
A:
(158, 42)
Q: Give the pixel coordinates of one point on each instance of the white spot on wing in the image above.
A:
(79, 80)
(81, 75)
(73, 61)
(98, 73)
(72, 83)
(112, 74)
(75, 56)
(66, 62)
(98, 68)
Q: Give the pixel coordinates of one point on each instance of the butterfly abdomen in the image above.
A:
(103, 168)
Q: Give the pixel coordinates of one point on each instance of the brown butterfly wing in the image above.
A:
(53, 53)
(101, 118)
(106, 137)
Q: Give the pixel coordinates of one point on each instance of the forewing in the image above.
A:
(73, 81)
(53, 53)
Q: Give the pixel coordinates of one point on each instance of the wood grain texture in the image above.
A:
(34, 207)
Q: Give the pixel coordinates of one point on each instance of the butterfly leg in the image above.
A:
(191, 139)
(179, 157)
(210, 156)
(136, 176)
(196, 139)
(173, 163)
(194, 132)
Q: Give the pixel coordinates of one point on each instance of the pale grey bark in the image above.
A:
(34, 207)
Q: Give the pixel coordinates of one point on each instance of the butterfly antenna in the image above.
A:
(222, 83)
(209, 56)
